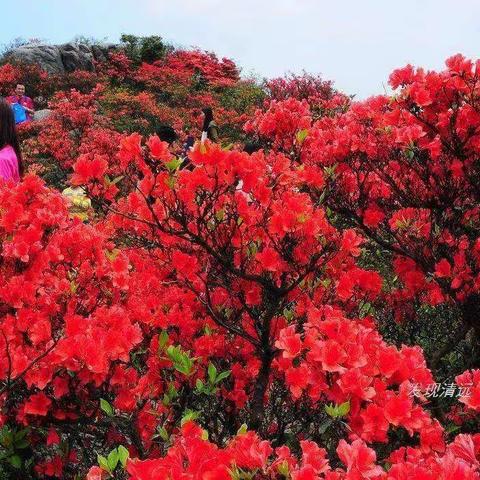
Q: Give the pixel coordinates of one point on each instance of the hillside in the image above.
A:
(128, 94)
(297, 301)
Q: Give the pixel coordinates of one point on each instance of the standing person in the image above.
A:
(210, 128)
(166, 133)
(19, 99)
(187, 147)
(11, 164)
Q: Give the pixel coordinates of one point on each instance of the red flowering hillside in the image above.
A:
(307, 311)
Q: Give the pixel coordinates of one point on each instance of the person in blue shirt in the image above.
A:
(22, 105)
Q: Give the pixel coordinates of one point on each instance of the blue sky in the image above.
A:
(355, 43)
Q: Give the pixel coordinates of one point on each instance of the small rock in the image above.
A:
(42, 114)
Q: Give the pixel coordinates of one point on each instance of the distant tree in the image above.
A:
(145, 49)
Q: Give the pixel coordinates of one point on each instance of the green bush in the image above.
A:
(145, 49)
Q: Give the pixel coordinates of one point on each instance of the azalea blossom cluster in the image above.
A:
(192, 456)
(219, 317)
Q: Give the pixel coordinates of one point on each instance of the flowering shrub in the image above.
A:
(192, 456)
(223, 317)
(403, 174)
(320, 94)
(10, 75)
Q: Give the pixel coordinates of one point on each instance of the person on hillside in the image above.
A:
(210, 128)
(79, 205)
(188, 145)
(166, 133)
(11, 164)
(22, 105)
(252, 147)
(186, 149)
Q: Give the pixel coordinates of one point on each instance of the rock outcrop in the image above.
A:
(61, 58)
(43, 114)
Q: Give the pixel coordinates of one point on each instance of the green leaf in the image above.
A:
(302, 135)
(189, 416)
(199, 385)
(243, 429)
(112, 255)
(208, 330)
(173, 164)
(451, 358)
(21, 434)
(283, 469)
(6, 437)
(326, 282)
(343, 409)
(336, 411)
(365, 309)
(222, 376)
(239, 474)
(123, 455)
(181, 361)
(23, 443)
(172, 391)
(331, 410)
(410, 154)
(174, 353)
(73, 287)
(162, 340)
(288, 314)
(220, 214)
(212, 372)
(106, 407)
(330, 171)
(15, 461)
(103, 463)
(453, 428)
(322, 197)
(163, 434)
(113, 460)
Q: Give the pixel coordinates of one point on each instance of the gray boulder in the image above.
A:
(100, 52)
(40, 115)
(76, 57)
(48, 57)
(61, 58)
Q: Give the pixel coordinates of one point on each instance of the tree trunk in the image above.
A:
(257, 406)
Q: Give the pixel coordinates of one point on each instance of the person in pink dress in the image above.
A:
(11, 164)
(20, 98)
